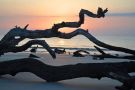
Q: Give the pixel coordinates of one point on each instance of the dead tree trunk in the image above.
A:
(10, 41)
(117, 71)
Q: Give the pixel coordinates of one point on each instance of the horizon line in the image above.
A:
(108, 14)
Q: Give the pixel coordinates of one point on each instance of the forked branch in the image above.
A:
(10, 41)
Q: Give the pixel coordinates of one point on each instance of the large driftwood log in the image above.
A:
(10, 40)
(118, 71)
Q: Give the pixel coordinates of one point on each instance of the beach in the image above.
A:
(102, 30)
(29, 81)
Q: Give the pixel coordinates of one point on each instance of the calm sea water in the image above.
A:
(83, 42)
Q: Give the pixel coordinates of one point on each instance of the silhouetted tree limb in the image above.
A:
(94, 40)
(9, 43)
(28, 45)
(118, 71)
(33, 42)
(9, 39)
(99, 50)
(106, 55)
(78, 53)
(48, 34)
(82, 13)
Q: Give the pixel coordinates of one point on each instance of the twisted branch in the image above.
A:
(94, 40)
(10, 41)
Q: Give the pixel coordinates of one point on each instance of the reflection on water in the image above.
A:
(76, 42)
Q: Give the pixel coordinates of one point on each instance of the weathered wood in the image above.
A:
(101, 51)
(78, 53)
(35, 34)
(126, 79)
(28, 45)
(118, 71)
(33, 56)
(101, 57)
(105, 55)
(10, 40)
(95, 40)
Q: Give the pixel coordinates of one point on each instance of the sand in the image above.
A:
(28, 81)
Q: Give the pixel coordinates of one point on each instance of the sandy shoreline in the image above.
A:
(29, 81)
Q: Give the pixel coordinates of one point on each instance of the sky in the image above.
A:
(42, 14)
(61, 7)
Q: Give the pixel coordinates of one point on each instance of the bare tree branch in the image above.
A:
(94, 40)
(10, 40)
(28, 45)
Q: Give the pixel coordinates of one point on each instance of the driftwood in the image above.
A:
(9, 48)
(78, 53)
(17, 34)
(10, 41)
(34, 49)
(33, 56)
(105, 55)
(118, 71)
(101, 57)
(59, 51)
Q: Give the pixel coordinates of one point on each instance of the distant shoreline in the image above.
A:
(70, 48)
